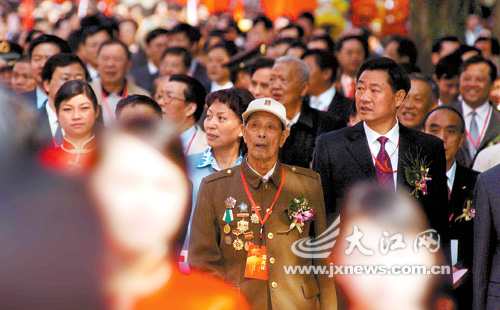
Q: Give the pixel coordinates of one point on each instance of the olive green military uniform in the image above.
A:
(212, 249)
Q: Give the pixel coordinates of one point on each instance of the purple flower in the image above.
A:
(299, 218)
(304, 216)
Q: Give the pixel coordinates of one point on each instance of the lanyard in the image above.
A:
(191, 141)
(474, 142)
(105, 102)
(255, 208)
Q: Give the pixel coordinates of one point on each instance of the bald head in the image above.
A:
(289, 81)
(299, 67)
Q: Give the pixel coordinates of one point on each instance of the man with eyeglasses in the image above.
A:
(182, 99)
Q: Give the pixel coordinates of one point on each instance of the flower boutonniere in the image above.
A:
(468, 213)
(417, 174)
(299, 212)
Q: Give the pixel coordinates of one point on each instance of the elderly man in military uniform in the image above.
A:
(248, 218)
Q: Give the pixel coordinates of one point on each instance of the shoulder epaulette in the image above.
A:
(219, 175)
(303, 171)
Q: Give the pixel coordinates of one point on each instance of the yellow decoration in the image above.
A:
(4, 47)
(331, 12)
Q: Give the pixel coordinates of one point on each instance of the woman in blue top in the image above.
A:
(224, 129)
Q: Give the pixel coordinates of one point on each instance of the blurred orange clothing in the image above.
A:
(193, 291)
(68, 158)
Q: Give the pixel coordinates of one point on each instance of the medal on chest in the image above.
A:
(242, 225)
(228, 215)
(238, 244)
(256, 217)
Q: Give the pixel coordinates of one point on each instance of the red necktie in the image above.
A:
(383, 165)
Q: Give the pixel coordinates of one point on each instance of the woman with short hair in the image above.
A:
(224, 129)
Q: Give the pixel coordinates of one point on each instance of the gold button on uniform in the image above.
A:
(228, 171)
(270, 235)
(272, 260)
(274, 284)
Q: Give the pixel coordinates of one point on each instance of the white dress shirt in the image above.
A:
(391, 147)
(92, 72)
(53, 122)
(152, 69)
(192, 68)
(265, 177)
(187, 137)
(41, 98)
(348, 84)
(111, 101)
(483, 111)
(450, 175)
(293, 121)
(322, 102)
(215, 87)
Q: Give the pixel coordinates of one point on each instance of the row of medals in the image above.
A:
(242, 226)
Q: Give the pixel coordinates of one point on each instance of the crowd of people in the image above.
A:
(183, 169)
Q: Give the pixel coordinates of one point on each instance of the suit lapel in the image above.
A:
(43, 124)
(332, 107)
(457, 190)
(406, 139)
(97, 87)
(359, 150)
(457, 104)
(493, 130)
(463, 155)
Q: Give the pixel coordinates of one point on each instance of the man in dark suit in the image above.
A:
(289, 80)
(482, 120)
(447, 124)
(187, 36)
(39, 51)
(156, 44)
(486, 271)
(379, 148)
(322, 93)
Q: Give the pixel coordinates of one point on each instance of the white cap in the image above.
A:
(267, 105)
